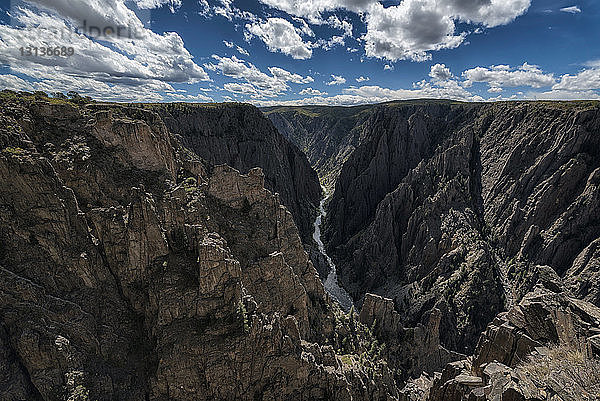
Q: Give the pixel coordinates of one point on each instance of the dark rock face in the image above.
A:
(327, 135)
(132, 269)
(241, 137)
(452, 206)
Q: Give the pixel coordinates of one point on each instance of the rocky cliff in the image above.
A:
(133, 269)
(328, 135)
(138, 264)
(544, 348)
(241, 137)
(452, 207)
(453, 212)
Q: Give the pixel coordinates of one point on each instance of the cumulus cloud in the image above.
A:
(127, 60)
(336, 80)
(409, 31)
(313, 9)
(377, 94)
(362, 79)
(592, 63)
(440, 72)
(147, 91)
(588, 79)
(344, 25)
(9, 81)
(412, 29)
(226, 9)
(312, 92)
(331, 43)
(255, 83)
(280, 36)
(287, 76)
(504, 76)
(241, 88)
(149, 4)
(571, 10)
(232, 45)
(564, 95)
(181, 97)
(445, 85)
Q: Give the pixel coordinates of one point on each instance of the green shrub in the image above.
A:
(243, 316)
(14, 151)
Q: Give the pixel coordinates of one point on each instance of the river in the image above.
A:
(331, 283)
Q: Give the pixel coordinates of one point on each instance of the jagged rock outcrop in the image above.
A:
(520, 356)
(414, 350)
(132, 269)
(241, 137)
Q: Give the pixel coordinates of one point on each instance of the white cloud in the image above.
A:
(146, 92)
(263, 84)
(362, 79)
(205, 10)
(304, 27)
(312, 92)
(344, 25)
(331, 43)
(504, 76)
(129, 64)
(241, 88)
(287, 76)
(189, 98)
(351, 49)
(440, 72)
(444, 85)
(412, 29)
(227, 10)
(377, 94)
(255, 82)
(281, 36)
(409, 31)
(592, 63)
(240, 50)
(149, 4)
(571, 10)
(336, 80)
(588, 79)
(564, 95)
(8, 81)
(312, 9)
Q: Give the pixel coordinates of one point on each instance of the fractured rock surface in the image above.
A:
(133, 269)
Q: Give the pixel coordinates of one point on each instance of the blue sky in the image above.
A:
(338, 52)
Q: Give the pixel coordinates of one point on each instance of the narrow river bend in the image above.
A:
(331, 283)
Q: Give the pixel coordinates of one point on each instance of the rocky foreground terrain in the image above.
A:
(161, 252)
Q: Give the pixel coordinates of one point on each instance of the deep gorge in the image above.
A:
(168, 251)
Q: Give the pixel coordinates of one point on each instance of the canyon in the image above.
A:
(188, 252)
